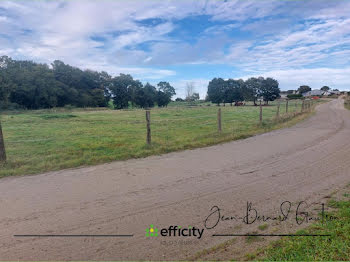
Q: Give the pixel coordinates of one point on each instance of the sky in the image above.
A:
(304, 42)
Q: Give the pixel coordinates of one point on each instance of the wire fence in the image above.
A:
(158, 124)
(103, 135)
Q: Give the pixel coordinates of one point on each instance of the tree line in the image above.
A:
(231, 90)
(30, 85)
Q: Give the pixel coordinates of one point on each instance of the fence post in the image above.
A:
(219, 120)
(302, 106)
(278, 110)
(260, 117)
(287, 106)
(148, 120)
(2, 146)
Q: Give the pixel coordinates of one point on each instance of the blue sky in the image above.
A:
(296, 42)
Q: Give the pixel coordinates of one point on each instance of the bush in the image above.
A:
(69, 107)
(294, 96)
(11, 106)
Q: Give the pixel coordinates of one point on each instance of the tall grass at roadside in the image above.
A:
(347, 102)
(333, 248)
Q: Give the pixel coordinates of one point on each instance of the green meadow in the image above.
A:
(47, 140)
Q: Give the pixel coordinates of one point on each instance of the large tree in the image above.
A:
(164, 94)
(26, 84)
(325, 88)
(134, 87)
(146, 96)
(6, 88)
(303, 89)
(83, 88)
(269, 90)
(119, 88)
(233, 91)
(252, 88)
(166, 88)
(162, 99)
(216, 90)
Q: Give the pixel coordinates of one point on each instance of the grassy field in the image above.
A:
(333, 248)
(46, 140)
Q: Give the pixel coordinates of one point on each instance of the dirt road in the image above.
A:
(303, 163)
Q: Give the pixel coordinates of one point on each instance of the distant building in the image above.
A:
(284, 94)
(336, 92)
(333, 92)
(318, 92)
(315, 92)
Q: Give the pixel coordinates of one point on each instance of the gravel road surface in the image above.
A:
(303, 163)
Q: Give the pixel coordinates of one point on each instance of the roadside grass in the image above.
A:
(347, 103)
(333, 248)
(212, 250)
(252, 238)
(263, 227)
(48, 140)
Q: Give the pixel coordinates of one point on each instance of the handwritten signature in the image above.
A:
(251, 215)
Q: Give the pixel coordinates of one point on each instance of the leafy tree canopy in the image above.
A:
(304, 89)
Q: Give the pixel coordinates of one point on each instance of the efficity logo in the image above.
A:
(174, 231)
(151, 231)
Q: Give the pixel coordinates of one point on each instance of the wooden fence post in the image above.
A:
(260, 117)
(2, 146)
(148, 120)
(303, 106)
(278, 110)
(287, 106)
(219, 120)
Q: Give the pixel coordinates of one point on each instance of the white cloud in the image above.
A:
(65, 30)
(145, 73)
(316, 43)
(105, 34)
(315, 78)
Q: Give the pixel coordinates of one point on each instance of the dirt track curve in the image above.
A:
(304, 162)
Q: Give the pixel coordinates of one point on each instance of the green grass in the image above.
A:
(217, 248)
(347, 103)
(47, 140)
(57, 116)
(335, 247)
(263, 227)
(250, 239)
